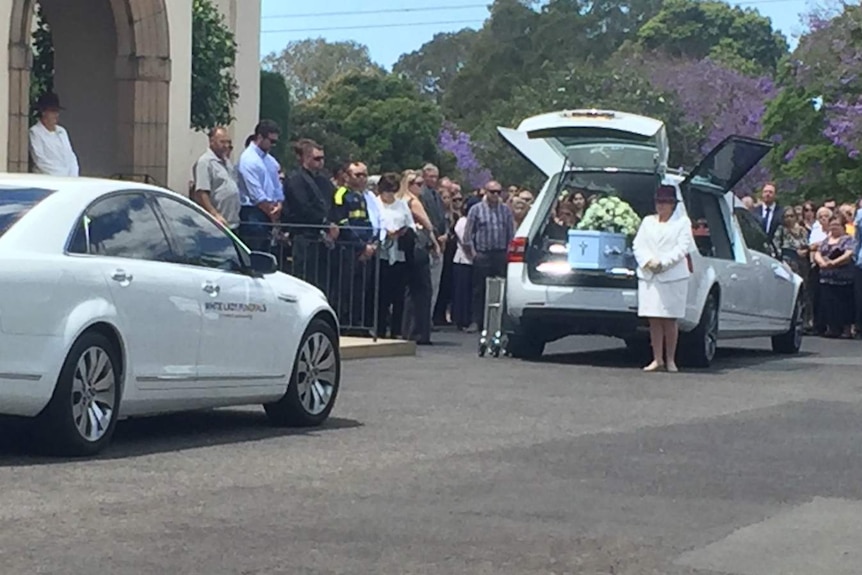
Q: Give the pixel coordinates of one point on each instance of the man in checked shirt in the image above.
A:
(489, 230)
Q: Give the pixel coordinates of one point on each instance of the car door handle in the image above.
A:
(734, 277)
(211, 288)
(121, 276)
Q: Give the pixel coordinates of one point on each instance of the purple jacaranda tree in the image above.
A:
(829, 61)
(459, 144)
(718, 100)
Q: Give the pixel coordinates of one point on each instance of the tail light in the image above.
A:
(517, 250)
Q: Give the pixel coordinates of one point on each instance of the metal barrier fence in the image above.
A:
(341, 268)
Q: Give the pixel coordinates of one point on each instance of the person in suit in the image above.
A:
(771, 214)
(661, 247)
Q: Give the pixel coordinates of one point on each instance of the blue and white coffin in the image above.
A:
(589, 250)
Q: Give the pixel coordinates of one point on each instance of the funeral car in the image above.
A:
(122, 299)
(739, 286)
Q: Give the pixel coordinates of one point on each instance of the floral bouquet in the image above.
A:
(610, 214)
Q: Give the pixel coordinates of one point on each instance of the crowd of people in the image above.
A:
(397, 254)
(822, 244)
(401, 253)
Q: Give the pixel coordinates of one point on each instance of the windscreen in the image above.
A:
(16, 202)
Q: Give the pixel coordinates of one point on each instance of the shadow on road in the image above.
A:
(727, 359)
(166, 433)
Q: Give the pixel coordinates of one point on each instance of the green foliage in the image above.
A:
(375, 118)
(275, 105)
(42, 72)
(432, 67)
(699, 29)
(308, 65)
(214, 89)
(814, 155)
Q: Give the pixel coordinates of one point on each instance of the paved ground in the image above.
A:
(445, 463)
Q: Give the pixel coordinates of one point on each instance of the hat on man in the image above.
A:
(48, 101)
(665, 195)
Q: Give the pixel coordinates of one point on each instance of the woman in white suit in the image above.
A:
(660, 248)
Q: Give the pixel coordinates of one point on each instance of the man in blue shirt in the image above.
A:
(857, 280)
(260, 191)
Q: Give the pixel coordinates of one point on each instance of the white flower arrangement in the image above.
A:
(610, 214)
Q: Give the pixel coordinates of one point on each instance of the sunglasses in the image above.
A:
(494, 191)
(318, 158)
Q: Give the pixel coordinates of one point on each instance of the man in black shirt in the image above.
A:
(308, 195)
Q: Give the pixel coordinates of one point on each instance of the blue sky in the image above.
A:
(392, 27)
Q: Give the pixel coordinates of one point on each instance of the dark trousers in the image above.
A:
(836, 306)
(354, 289)
(255, 229)
(462, 294)
(311, 261)
(393, 290)
(417, 306)
(857, 299)
(485, 265)
(445, 294)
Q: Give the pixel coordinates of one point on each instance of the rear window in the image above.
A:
(636, 189)
(16, 202)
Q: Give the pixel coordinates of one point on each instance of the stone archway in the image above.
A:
(139, 84)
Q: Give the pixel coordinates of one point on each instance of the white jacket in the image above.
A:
(667, 243)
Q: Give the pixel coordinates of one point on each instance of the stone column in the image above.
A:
(20, 58)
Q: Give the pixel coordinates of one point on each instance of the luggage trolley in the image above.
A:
(491, 338)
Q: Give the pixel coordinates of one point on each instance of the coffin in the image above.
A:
(589, 250)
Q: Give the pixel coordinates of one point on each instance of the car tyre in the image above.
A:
(790, 342)
(81, 416)
(700, 345)
(315, 380)
(525, 346)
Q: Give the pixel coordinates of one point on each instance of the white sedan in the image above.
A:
(122, 299)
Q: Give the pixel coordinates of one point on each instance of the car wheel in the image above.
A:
(790, 342)
(525, 346)
(314, 382)
(82, 414)
(701, 343)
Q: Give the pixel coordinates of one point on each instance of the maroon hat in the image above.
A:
(48, 101)
(665, 195)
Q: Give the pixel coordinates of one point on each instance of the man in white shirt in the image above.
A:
(50, 148)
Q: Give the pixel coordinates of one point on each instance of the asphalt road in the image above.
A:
(450, 464)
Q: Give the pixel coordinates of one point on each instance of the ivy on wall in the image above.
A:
(214, 88)
(42, 72)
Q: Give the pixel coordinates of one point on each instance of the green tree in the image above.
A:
(308, 65)
(214, 89)
(377, 118)
(696, 29)
(275, 105)
(435, 64)
(817, 117)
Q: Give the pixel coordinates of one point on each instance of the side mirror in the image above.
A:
(263, 263)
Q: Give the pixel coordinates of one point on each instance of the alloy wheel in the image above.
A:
(316, 373)
(94, 389)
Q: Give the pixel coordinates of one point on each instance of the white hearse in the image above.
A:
(739, 287)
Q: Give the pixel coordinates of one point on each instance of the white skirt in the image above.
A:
(662, 299)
